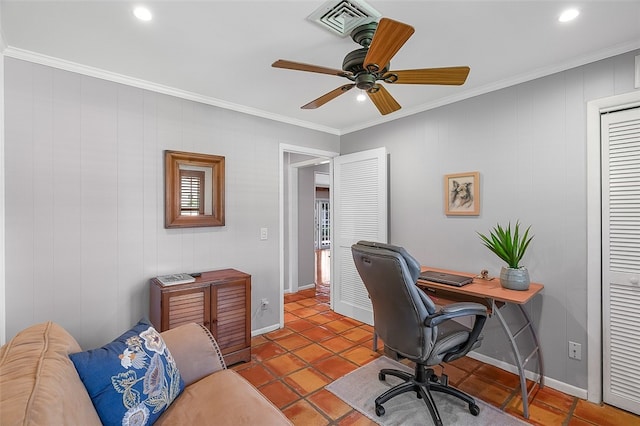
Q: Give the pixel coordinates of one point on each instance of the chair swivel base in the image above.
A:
(422, 383)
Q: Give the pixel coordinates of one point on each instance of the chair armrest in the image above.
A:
(455, 310)
(195, 351)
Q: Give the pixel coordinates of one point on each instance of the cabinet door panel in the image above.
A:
(230, 307)
(188, 306)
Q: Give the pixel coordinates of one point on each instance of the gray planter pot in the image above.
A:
(514, 279)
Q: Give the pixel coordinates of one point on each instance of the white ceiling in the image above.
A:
(220, 52)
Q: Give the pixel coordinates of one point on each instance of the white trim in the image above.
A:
(548, 381)
(3, 290)
(637, 85)
(159, 88)
(594, 237)
(306, 286)
(266, 329)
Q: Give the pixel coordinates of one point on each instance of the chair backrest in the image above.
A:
(389, 273)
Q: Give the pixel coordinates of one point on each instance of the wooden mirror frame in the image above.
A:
(172, 162)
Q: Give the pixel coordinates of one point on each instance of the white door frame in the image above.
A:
(292, 208)
(594, 236)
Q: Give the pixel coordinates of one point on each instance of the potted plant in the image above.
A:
(510, 247)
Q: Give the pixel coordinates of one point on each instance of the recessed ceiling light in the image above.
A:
(142, 13)
(568, 15)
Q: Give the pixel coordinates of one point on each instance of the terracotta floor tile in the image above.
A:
(304, 312)
(266, 351)
(339, 326)
(491, 393)
(258, 340)
(278, 334)
(498, 375)
(288, 316)
(321, 307)
(539, 413)
(318, 334)
(356, 419)
(555, 398)
(303, 413)
(467, 364)
(300, 325)
(284, 364)
(330, 404)
(335, 366)
(604, 415)
(360, 355)
(293, 341)
(455, 374)
(257, 375)
(313, 353)
(306, 381)
(292, 306)
(307, 302)
(576, 421)
(279, 393)
(320, 318)
(367, 327)
(293, 297)
(338, 344)
(357, 334)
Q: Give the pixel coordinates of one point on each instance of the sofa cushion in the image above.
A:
(223, 398)
(131, 380)
(38, 383)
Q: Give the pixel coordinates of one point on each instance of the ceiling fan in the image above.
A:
(370, 64)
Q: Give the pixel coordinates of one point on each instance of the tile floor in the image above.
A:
(291, 366)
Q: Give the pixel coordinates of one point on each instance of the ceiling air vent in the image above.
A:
(340, 16)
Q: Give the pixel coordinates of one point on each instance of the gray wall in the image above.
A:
(529, 144)
(84, 199)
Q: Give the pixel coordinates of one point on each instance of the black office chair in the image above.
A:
(412, 326)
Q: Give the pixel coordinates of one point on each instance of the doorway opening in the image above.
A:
(300, 236)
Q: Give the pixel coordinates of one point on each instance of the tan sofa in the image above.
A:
(39, 384)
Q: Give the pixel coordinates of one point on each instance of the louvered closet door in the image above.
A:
(360, 213)
(621, 258)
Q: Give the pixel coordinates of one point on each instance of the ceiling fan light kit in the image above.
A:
(371, 63)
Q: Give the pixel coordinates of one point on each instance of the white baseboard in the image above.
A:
(548, 381)
(304, 287)
(264, 330)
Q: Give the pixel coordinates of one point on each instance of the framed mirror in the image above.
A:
(194, 190)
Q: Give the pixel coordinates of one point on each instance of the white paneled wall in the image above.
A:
(85, 199)
(529, 144)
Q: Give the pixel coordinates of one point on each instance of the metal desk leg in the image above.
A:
(520, 363)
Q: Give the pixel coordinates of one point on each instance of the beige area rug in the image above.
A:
(361, 387)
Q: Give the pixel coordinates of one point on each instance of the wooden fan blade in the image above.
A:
(389, 37)
(328, 97)
(448, 76)
(299, 66)
(383, 100)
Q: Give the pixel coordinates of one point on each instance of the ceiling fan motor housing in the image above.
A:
(354, 63)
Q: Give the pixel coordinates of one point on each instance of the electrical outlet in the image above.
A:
(264, 304)
(575, 351)
(264, 233)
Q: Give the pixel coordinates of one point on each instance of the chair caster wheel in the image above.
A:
(474, 409)
(433, 378)
(381, 376)
(379, 410)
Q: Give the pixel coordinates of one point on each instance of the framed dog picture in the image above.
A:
(462, 194)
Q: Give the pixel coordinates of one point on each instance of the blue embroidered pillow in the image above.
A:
(132, 380)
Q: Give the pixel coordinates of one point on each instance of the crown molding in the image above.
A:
(75, 67)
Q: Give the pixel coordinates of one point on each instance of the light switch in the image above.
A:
(264, 233)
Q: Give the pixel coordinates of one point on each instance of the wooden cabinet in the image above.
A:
(221, 300)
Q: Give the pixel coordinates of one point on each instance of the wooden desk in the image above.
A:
(494, 296)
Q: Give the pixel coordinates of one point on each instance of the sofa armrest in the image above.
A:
(195, 351)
